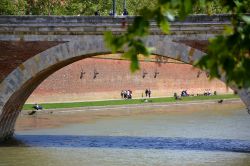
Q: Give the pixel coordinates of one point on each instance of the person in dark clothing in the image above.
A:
(111, 13)
(37, 107)
(184, 93)
(146, 92)
(97, 13)
(125, 12)
(149, 93)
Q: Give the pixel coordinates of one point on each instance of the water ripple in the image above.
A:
(129, 142)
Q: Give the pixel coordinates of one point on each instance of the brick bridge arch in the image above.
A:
(21, 82)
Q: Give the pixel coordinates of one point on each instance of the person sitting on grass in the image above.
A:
(37, 107)
(177, 97)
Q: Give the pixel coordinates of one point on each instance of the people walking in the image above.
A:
(126, 94)
(149, 93)
(146, 92)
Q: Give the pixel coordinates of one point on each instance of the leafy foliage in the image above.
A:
(8, 7)
(70, 7)
(228, 54)
(45, 7)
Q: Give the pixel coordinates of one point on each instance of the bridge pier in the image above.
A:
(7, 124)
(245, 97)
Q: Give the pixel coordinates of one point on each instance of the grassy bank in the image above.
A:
(124, 102)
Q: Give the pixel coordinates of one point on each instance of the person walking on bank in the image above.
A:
(146, 92)
(149, 93)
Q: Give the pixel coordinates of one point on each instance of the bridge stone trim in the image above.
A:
(82, 25)
(20, 83)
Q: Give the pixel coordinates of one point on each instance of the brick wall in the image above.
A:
(14, 53)
(114, 76)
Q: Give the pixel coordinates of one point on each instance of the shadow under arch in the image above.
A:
(20, 83)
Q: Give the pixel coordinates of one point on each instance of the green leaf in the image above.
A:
(202, 3)
(134, 65)
(165, 27)
(228, 30)
(246, 19)
(147, 13)
(108, 38)
(188, 6)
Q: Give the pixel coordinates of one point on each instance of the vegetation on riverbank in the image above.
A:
(88, 7)
(129, 101)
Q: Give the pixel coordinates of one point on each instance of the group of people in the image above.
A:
(124, 13)
(148, 93)
(184, 93)
(207, 92)
(126, 94)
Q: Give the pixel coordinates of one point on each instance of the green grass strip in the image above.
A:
(131, 101)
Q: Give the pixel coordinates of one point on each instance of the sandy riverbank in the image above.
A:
(59, 117)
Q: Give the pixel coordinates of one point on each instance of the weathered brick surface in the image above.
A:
(12, 54)
(114, 76)
(197, 44)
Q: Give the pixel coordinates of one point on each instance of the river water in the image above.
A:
(196, 134)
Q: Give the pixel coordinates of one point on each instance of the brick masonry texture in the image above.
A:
(14, 53)
(115, 75)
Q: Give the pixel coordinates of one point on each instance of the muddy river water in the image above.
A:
(179, 134)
